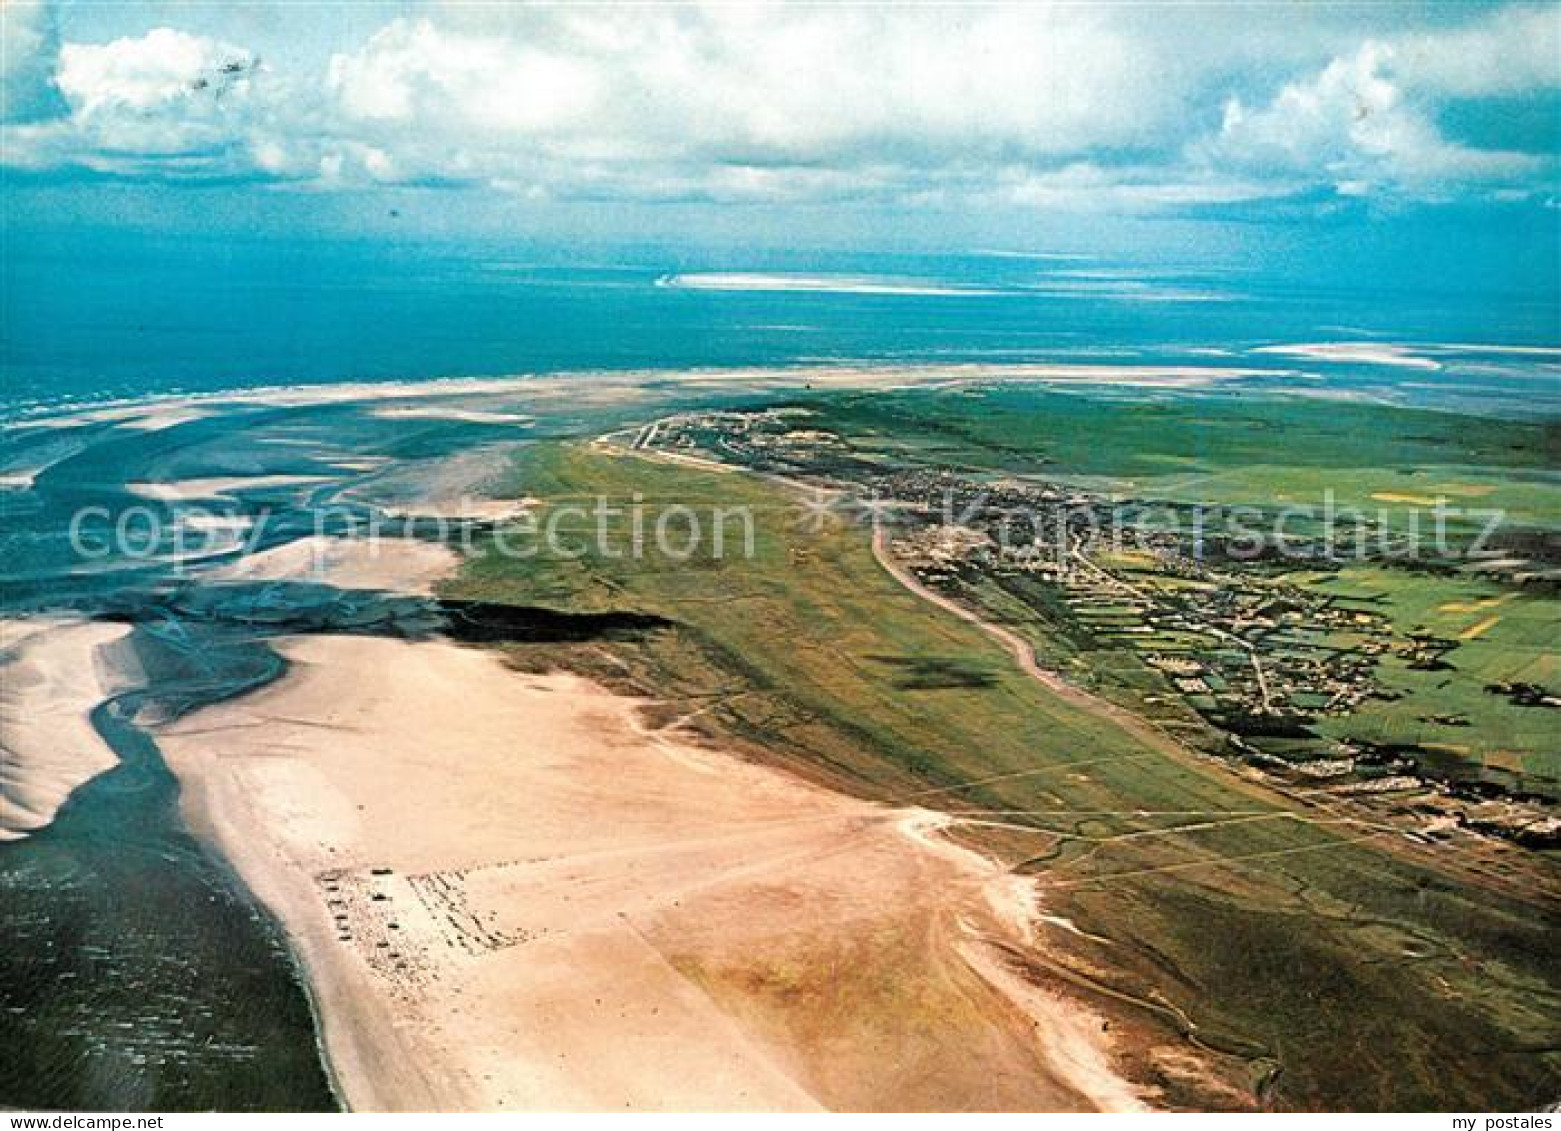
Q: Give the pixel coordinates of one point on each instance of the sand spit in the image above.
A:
(1357, 353)
(822, 284)
(509, 894)
(517, 396)
(187, 490)
(150, 415)
(453, 412)
(52, 674)
(399, 565)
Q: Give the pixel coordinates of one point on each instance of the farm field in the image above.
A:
(1504, 637)
(1462, 660)
(1222, 447)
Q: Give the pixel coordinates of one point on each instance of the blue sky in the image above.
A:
(890, 124)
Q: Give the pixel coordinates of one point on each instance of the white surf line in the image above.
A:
(759, 281)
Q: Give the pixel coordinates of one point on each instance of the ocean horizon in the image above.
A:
(169, 316)
(850, 557)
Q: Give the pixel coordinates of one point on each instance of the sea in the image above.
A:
(88, 316)
(137, 971)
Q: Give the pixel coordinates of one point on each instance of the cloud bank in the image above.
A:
(1068, 107)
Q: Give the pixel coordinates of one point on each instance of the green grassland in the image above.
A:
(1510, 639)
(1463, 730)
(1220, 446)
(1316, 962)
(1113, 669)
(1224, 447)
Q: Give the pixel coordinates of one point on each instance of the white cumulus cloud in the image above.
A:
(1021, 105)
(1356, 123)
(1512, 51)
(166, 103)
(160, 68)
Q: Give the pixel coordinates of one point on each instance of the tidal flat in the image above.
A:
(1114, 890)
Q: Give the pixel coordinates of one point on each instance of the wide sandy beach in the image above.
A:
(509, 893)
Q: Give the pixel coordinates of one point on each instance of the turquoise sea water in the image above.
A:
(89, 316)
(137, 972)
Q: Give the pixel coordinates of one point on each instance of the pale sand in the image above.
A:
(152, 414)
(1360, 353)
(592, 915)
(184, 490)
(455, 488)
(452, 412)
(618, 387)
(819, 284)
(52, 674)
(160, 419)
(400, 565)
(462, 510)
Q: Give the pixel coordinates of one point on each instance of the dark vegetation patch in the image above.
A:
(935, 673)
(493, 622)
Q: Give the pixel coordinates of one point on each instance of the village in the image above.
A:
(1157, 598)
(1252, 653)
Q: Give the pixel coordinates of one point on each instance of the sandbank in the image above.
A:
(400, 565)
(52, 674)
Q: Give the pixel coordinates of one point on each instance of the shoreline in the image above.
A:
(157, 411)
(582, 914)
(53, 674)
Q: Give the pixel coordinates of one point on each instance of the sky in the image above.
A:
(1032, 125)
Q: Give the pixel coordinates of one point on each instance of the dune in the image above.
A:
(52, 674)
(509, 893)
